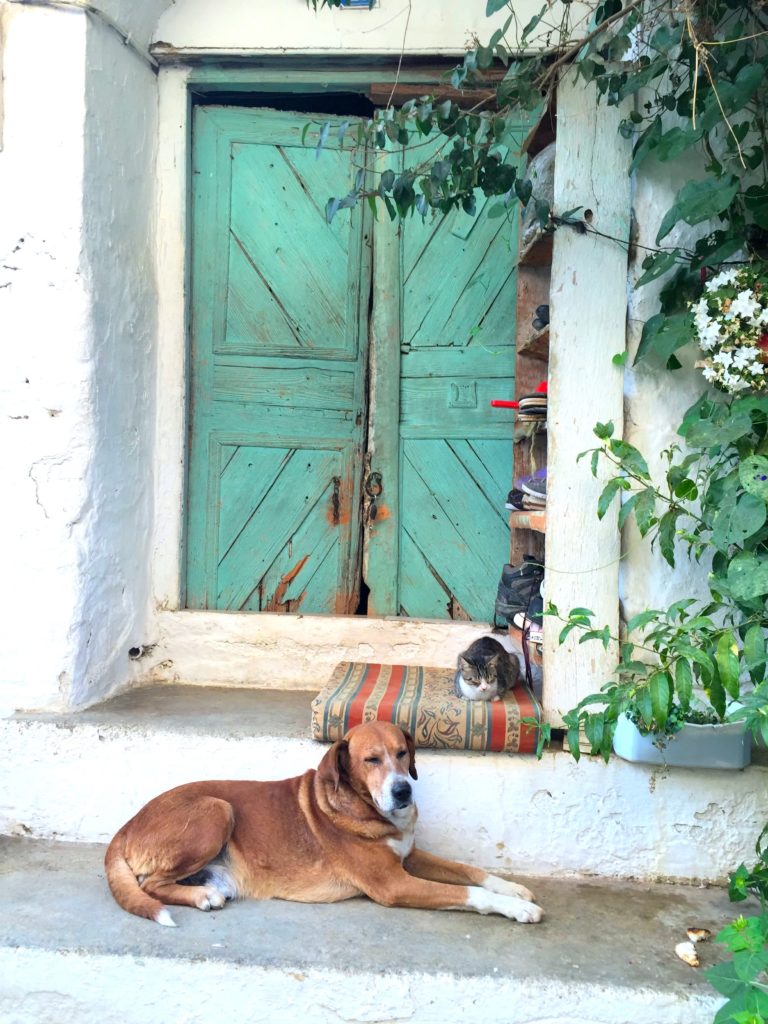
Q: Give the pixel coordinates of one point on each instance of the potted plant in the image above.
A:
(695, 664)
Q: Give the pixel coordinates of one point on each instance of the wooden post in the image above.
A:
(381, 559)
(588, 304)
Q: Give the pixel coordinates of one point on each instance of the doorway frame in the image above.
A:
(295, 651)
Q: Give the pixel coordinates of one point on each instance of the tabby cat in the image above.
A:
(485, 671)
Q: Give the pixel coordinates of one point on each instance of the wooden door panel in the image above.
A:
(453, 452)
(277, 409)
(459, 529)
(299, 261)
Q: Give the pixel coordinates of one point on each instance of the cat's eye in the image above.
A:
(401, 754)
(373, 760)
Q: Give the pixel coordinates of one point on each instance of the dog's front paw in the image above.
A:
(500, 885)
(211, 899)
(527, 913)
(517, 909)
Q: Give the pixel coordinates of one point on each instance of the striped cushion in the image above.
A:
(422, 700)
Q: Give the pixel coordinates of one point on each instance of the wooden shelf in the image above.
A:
(536, 346)
(529, 519)
(537, 252)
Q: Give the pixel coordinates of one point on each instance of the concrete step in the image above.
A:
(603, 955)
(79, 776)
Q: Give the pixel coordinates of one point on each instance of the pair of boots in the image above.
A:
(519, 600)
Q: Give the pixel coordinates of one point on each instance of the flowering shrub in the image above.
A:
(731, 322)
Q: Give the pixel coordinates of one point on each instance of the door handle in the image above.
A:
(373, 485)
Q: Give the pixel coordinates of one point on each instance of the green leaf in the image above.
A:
(722, 977)
(603, 430)
(676, 141)
(565, 631)
(574, 740)
(609, 492)
(700, 200)
(631, 459)
(660, 688)
(662, 335)
(701, 658)
(727, 657)
(753, 475)
(645, 510)
(683, 682)
(646, 143)
(644, 703)
(667, 531)
(626, 508)
(642, 619)
(747, 576)
(755, 654)
(594, 726)
(656, 265)
(494, 5)
(748, 517)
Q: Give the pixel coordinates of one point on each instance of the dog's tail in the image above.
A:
(126, 889)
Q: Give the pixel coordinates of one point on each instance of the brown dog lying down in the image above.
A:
(342, 830)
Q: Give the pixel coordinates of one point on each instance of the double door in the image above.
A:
(341, 436)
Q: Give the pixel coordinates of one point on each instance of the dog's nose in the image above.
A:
(401, 793)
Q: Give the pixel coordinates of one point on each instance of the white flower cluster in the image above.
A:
(731, 322)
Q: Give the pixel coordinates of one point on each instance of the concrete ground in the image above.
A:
(603, 955)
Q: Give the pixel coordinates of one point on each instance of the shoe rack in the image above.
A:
(528, 527)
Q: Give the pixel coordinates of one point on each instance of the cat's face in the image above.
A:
(482, 677)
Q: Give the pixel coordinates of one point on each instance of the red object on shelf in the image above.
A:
(502, 403)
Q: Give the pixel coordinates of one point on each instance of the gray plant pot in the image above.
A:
(724, 745)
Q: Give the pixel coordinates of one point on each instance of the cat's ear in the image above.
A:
(335, 764)
(411, 754)
(463, 664)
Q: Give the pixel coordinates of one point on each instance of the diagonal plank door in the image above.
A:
(279, 305)
(446, 460)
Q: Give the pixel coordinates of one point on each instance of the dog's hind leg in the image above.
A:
(189, 840)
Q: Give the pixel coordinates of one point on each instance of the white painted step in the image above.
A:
(603, 955)
(80, 776)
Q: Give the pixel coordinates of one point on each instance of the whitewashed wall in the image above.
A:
(77, 311)
(433, 26)
(655, 399)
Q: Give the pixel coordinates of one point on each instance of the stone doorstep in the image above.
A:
(79, 776)
(603, 955)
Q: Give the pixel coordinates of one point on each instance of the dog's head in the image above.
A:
(375, 759)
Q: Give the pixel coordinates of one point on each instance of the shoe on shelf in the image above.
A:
(515, 500)
(532, 621)
(535, 484)
(518, 586)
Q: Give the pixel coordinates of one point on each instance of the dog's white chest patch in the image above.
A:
(404, 844)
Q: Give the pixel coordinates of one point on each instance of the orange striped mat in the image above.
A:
(422, 700)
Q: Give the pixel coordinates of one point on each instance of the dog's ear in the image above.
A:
(411, 754)
(335, 763)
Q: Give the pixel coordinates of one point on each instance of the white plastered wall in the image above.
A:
(77, 309)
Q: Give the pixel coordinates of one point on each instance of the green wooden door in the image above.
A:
(277, 413)
(448, 458)
(278, 511)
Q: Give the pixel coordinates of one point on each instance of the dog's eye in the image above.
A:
(373, 760)
(401, 754)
